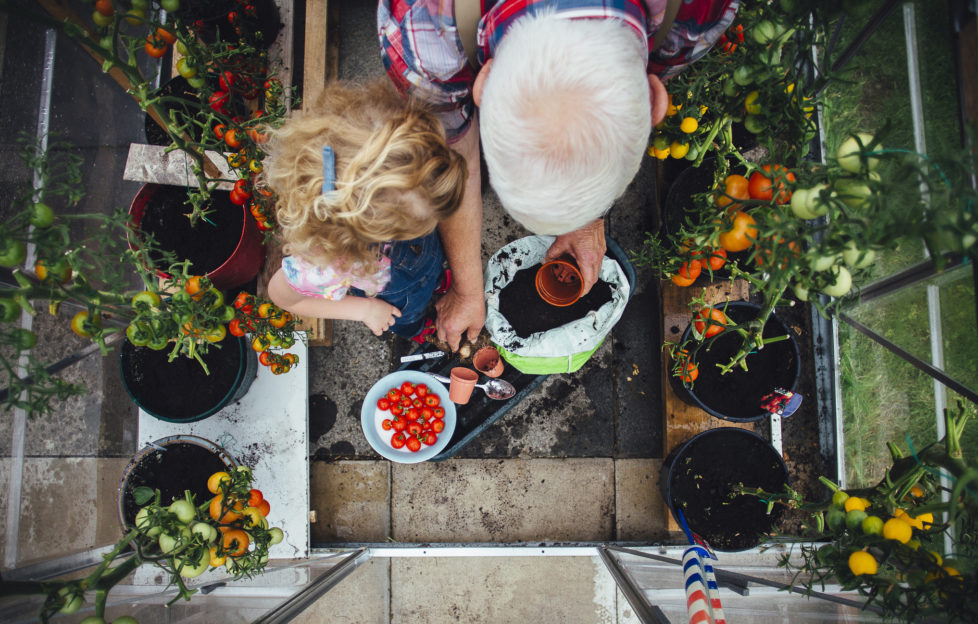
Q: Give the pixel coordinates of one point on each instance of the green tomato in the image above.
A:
(102, 20)
(849, 153)
(275, 535)
(125, 619)
(23, 339)
(73, 601)
(854, 192)
(137, 334)
(835, 519)
(41, 215)
(169, 543)
(872, 525)
(197, 82)
(183, 510)
(842, 283)
(764, 32)
(170, 6)
(854, 518)
(92, 619)
(826, 262)
(9, 310)
(807, 203)
(839, 498)
(146, 299)
(139, 4)
(143, 523)
(858, 258)
(754, 124)
(801, 293)
(192, 567)
(12, 253)
(743, 76)
(206, 532)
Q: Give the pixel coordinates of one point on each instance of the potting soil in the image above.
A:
(181, 389)
(182, 466)
(522, 306)
(207, 244)
(705, 479)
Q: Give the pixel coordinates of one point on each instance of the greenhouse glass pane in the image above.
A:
(902, 317)
(885, 399)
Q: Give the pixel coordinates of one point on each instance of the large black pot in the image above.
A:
(171, 465)
(736, 396)
(180, 391)
(699, 478)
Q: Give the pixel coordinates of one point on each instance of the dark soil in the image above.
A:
(206, 245)
(210, 20)
(703, 480)
(178, 88)
(738, 394)
(180, 390)
(521, 305)
(182, 466)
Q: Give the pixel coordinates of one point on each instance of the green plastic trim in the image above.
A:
(547, 365)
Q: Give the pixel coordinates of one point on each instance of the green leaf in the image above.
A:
(143, 494)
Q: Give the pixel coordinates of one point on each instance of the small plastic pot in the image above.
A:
(559, 281)
(462, 384)
(488, 362)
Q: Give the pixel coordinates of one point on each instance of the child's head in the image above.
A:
(396, 177)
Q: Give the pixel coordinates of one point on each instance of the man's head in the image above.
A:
(565, 119)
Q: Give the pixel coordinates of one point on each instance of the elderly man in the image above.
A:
(567, 92)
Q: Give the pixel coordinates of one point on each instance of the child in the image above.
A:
(363, 179)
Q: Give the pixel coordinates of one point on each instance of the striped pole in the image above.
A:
(702, 593)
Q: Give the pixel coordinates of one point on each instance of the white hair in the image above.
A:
(565, 119)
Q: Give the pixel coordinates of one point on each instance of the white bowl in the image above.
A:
(371, 417)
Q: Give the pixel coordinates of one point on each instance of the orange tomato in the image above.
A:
(195, 286)
(230, 515)
(742, 233)
(687, 273)
(235, 542)
(765, 254)
(709, 322)
(736, 187)
(155, 46)
(264, 507)
(762, 187)
(686, 371)
(232, 139)
(254, 497)
(166, 35)
(216, 560)
(718, 258)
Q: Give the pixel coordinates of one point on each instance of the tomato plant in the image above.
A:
(709, 322)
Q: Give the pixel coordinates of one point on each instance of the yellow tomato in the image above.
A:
(861, 562)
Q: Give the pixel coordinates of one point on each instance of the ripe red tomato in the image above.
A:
(427, 413)
(406, 402)
(432, 400)
(417, 403)
(430, 438)
(232, 138)
(439, 412)
(387, 424)
(407, 388)
(718, 257)
(398, 440)
(155, 46)
(421, 390)
(413, 445)
(438, 425)
(265, 358)
(255, 497)
(413, 413)
(226, 80)
(399, 424)
(238, 198)
(218, 101)
(383, 404)
(394, 394)
(397, 410)
(414, 428)
(710, 322)
(687, 273)
(762, 185)
(234, 326)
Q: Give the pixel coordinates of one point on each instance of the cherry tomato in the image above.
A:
(386, 424)
(104, 7)
(238, 198)
(421, 390)
(742, 233)
(383, 404)
(394, 394)
(736, 187)
(232, 139)
(427, 413)
(438, 425)
(414, 428)
(155, 46)
(186, 69)
(432, 400)
(762, 187)
(399, 424)
(195, 286)
(234, 326)
(710, 322)
(398, 440)
(255, 497)
(405, 402)
(219, 101)
(413, 413)
(439, 412)
(235, 542)
(397, 410)
(417, 404)
(241, 300)
(413, 445)
(265, 358)
(718, 258)
(430, 438)
(264, 507)
(687, 273)
(407, 388)
(226, 80)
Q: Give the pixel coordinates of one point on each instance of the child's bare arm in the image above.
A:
(376, 314)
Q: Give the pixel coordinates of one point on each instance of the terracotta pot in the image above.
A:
(246, 251)
(487, 361)
(559, 281)
(462, 384)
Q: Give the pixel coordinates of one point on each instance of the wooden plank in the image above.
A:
(316, 70)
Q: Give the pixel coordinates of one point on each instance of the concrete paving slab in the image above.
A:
(50, 486)
(569, 590)
(352, 501)
(462, 500)
(640, 512)
(109, 472)
(364, 597)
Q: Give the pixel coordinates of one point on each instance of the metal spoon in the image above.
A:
(498, 389)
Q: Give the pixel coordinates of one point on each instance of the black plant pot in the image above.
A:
(736, 396)
(171, 465)
(180, 391)
(700, 476)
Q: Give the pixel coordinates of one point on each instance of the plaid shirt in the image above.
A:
(424, 57)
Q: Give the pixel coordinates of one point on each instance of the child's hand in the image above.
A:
(380, 316)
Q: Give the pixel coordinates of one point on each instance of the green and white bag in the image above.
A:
(563, 349)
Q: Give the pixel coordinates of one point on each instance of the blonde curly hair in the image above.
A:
(396, 177)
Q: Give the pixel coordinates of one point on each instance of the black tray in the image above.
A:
(475, 416)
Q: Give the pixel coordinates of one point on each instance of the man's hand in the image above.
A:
(587, 246)
(458, 314)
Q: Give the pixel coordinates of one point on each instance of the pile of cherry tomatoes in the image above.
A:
(271, 327)
(417, 416)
